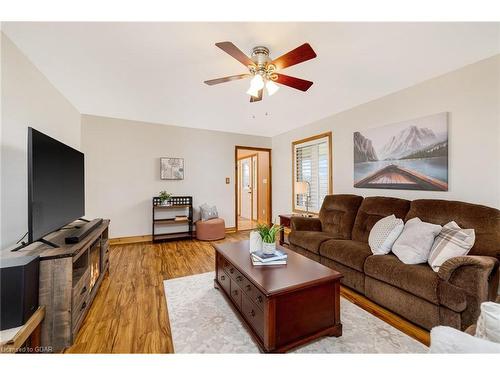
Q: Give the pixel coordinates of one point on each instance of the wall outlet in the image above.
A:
(228, 180)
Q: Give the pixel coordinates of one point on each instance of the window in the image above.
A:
(312, 159)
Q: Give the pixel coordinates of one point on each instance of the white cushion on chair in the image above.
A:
(488, 324)
(451, 340)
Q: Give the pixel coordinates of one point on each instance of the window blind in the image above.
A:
(312, 165)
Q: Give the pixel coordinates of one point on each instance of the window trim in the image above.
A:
(327, 135)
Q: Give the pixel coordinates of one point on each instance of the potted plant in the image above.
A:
(268, 235)
(164, 197)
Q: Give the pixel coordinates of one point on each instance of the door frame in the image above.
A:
(269, 207)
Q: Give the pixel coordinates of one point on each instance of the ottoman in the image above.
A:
(210, 230)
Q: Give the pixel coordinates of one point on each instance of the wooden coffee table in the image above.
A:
(282, 306)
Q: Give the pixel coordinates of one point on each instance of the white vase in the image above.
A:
(268, 248)
(255, 242)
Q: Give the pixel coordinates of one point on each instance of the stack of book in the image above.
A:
(260, 259)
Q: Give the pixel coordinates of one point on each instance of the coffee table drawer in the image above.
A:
(253, 293)
(224, 281)
(253, 315)
(236, 294)
(231, 270)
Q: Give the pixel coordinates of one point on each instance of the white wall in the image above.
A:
(28, 99)
(123, 169)
(472, 97)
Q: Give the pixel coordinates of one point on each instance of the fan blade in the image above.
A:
(296, 83)
(294, 57)
(216, 81)
(256, 99)
(235, 52)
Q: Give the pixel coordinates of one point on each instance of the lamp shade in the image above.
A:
(301, 187)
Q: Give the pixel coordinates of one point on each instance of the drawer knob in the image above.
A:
(231, 270)
(252, 313)
(249, 287)
(83, 290)
(235, 292)
(223, 277)
(83, 306)
(259, 299)
(239, 278)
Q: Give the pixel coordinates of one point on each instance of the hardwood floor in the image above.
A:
(129, 313)
(246, 224)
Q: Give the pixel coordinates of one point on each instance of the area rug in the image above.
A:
(202, 321)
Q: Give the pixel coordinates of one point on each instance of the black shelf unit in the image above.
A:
(176, 203)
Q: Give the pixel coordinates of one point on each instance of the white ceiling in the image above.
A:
(154, 72)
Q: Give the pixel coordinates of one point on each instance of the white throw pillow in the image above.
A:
(453, 241)
(488, 324)
(414, 244)
(384, 233)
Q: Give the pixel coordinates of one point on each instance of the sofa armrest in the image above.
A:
(477, 277)
(458, 265)
(305, 223)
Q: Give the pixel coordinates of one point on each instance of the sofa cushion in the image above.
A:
(309, 240)
(372, 210)
(417, 279)
(351, 278)
(304, 252)
(484, 220)
(347, 252)
(338, 213)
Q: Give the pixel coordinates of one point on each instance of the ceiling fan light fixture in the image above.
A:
(271, 87)
(253, 91)
(263, 70)
(257, 82)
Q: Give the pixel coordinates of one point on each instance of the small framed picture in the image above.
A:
(172, 168)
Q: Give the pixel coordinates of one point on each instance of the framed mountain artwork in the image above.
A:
(410, 155)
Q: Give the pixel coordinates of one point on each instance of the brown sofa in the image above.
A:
(452, 296)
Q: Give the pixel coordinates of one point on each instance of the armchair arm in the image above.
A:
(305, 223)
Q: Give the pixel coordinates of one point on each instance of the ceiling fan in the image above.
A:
(264, 71)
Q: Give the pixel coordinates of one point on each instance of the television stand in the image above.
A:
(70, 277)
(79, 233)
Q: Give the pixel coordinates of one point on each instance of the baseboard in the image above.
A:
(148, 238)
(132, 239)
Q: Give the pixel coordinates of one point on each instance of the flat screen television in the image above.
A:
(56, 185)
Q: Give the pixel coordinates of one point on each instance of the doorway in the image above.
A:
(252, 187)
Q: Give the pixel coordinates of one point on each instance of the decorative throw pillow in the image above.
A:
(453, 241)
(384, 233)
(208, 212)
(414, 244)
(488, 324)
